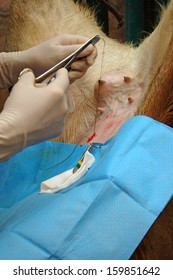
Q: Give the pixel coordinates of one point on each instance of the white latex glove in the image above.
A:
(33, 113)
(45, 55)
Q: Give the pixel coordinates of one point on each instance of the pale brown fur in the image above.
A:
(34, 21)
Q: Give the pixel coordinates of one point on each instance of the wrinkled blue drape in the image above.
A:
(102, 216)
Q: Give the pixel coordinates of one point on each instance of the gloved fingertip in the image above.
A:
(74, 75)
(61, 79)
(90, 60)
(24, 71)
(62, 71)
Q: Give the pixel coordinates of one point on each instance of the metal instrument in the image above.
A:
(66, 62)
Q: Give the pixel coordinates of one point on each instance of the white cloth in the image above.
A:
(67, 178)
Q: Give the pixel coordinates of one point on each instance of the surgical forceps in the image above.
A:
(66, 62)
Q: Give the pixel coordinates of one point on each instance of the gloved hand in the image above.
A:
(33, 113)
(45, 55)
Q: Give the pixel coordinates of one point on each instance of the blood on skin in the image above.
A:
(92, 137)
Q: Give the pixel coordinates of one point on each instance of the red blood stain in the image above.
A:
(91, 138)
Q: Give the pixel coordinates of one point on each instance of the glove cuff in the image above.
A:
(13, 136)
(11, 64)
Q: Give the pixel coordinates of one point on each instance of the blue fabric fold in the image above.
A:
(105, 214)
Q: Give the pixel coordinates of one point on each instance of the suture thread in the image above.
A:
(98, 94)
(96, 112)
